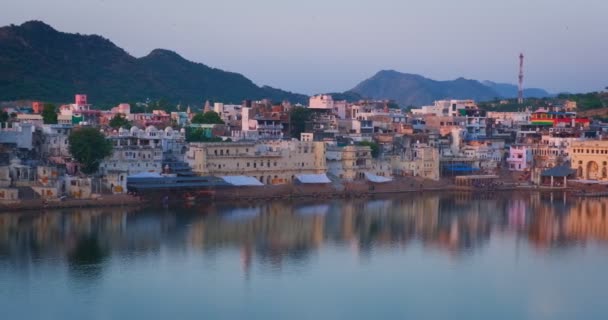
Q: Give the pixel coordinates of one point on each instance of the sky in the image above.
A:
(315, 46)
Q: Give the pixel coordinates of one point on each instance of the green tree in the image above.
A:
(374, 146)
(209, 117)
(4, 116)
(120, 121)
(49, 114)
(89, 147)
(298, 118)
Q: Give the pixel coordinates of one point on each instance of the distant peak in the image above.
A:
(36, 25)
(164, 53)
(394, 73)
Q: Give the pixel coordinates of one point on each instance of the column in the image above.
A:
(551, 181)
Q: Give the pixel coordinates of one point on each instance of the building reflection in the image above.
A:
(279, 233)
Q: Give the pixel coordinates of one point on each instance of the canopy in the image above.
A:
(376, 178)
(145, 175)
(242, 181)
(313, 178)
(560, 171)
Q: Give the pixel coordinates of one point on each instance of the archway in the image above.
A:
(593, 170)
(579, 172)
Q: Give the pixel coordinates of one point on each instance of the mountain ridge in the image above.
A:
(46, 64)
(410, 89)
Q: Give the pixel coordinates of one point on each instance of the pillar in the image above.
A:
(551, 181)
(565, 181)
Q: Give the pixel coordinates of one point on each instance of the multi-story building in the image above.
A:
(55, 137)
(136, 151)
(552, 151)
(520, 157)
(18, 135)
(349, 162)
(271, 162)
(322, 101)
(419, 160)
(590, 159)
(446, 108)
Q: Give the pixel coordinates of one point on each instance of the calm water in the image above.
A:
(416, 257)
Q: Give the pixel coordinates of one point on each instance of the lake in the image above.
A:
(431, 256)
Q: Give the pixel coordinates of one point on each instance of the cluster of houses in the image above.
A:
(340, 141)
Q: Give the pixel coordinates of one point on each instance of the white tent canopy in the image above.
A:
(242, 181)
(376, 178)
(313, 178)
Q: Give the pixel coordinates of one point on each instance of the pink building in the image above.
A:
(81, 99)
(37, 107)
(520, 157)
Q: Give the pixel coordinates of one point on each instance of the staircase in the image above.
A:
(336, 182)
(27, 193)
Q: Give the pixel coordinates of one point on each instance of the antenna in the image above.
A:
(520, 92)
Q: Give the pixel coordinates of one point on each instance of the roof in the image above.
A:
(313, 178)
(376, 178)
(559, 171)
(242, 181)
(145, 175)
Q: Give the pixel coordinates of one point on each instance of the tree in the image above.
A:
(200, 135)
(209, 117)
(298, 118)
(89, 147)
(49, 114)
(120, 121)
(374, 146)
(4, 116)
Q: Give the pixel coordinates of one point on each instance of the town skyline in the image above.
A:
(416, 42)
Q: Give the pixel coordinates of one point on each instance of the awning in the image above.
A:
(242, 181)
(561, 171)
(376, 178)
(313, 178)
(145, 175)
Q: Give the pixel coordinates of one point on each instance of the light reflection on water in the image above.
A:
(432, 256)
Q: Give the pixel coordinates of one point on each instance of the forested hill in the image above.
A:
(39, 62)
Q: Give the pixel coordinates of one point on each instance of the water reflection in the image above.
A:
(281, 232)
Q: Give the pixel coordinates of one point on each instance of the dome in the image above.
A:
(151, 129)
(15, 161)
(168, 130)
(134, 129)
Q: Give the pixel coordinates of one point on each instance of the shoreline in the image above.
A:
(281, 192)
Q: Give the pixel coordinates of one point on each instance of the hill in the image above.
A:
(39, 62)
(507, 90)
(416, 90)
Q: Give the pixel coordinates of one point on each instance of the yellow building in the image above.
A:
(590, 159)
(349, 162)
(271, 162)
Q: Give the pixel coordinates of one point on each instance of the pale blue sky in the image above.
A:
(313, 46)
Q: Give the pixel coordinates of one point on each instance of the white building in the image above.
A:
(55, 137)
(19, 134)
(322, 101)
(137, 151)
(446, 108)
